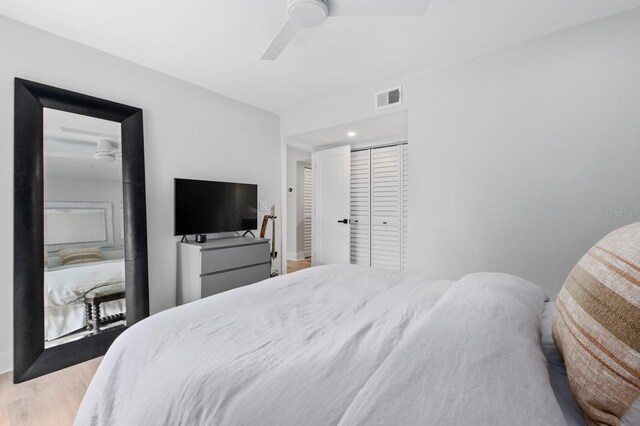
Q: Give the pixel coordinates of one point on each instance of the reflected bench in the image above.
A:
(94, 298)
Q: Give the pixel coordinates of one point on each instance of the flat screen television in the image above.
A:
(207, 207)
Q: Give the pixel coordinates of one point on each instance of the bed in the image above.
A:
(349, 345)
(337, 344)
(65, 287)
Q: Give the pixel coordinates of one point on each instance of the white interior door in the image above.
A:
(386, 212)
(361, 207)
(331, 203)
(405, 205)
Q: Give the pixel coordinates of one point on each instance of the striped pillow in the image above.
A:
(80, 255)
(597, 329)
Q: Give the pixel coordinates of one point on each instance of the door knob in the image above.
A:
(345, 221)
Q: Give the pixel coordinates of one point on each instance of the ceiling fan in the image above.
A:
(312, 13)
(106, 151)
(107, 146)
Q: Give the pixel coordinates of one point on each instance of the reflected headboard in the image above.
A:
(77, 224)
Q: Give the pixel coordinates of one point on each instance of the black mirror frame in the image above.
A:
(30, 358)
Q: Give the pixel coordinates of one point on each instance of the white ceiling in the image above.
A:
(70, 155)
(217, 44)
(381, 128)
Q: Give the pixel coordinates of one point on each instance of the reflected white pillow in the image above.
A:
(53, 262)
(79, 255)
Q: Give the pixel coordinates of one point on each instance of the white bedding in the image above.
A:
(69, 284)
(65, 287)
(62, 320)
(334, 345)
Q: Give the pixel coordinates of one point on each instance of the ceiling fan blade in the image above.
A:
(377, 7)
(88, 133)
(62, 154)
(282, 40)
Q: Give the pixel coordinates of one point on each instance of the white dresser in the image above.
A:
(220, 265)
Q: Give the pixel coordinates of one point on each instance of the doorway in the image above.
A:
(299, 209)
(357, 211)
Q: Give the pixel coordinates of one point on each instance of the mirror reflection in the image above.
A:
(84, 288)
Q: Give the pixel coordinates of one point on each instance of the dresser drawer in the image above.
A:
(223, 281)
(233, 257)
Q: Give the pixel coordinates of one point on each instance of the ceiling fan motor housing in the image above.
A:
(308, 13)
(105, 151)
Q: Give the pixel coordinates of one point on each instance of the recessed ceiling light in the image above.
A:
(351, 134)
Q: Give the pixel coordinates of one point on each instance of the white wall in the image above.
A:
(516, 156)
(189, 132)
(296, 159)
(351, 107)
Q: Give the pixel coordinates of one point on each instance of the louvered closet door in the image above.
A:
(386, 211)
(360, 207)
(308, 194)
(405, 204)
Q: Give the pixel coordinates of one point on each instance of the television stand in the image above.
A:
(248, 231)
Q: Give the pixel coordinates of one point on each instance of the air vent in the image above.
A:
(388, 98)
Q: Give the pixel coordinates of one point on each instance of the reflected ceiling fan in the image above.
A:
(312, 13)
(107, 148)
(106, 151)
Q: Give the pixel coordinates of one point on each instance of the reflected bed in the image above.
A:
(65, 287)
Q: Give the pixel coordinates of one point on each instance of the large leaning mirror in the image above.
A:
(80, 255)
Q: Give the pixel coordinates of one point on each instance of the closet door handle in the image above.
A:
(345, 221)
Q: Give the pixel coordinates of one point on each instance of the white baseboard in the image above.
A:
(6, 361)
(296, 258)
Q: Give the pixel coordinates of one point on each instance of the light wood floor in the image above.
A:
(50, 400)
(296, 265)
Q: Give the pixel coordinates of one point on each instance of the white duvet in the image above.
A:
(69, 284)
(334, 345)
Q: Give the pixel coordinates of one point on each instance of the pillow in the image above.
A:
(53, 262)
(558, 371)
(596, 327)
(79, 255)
